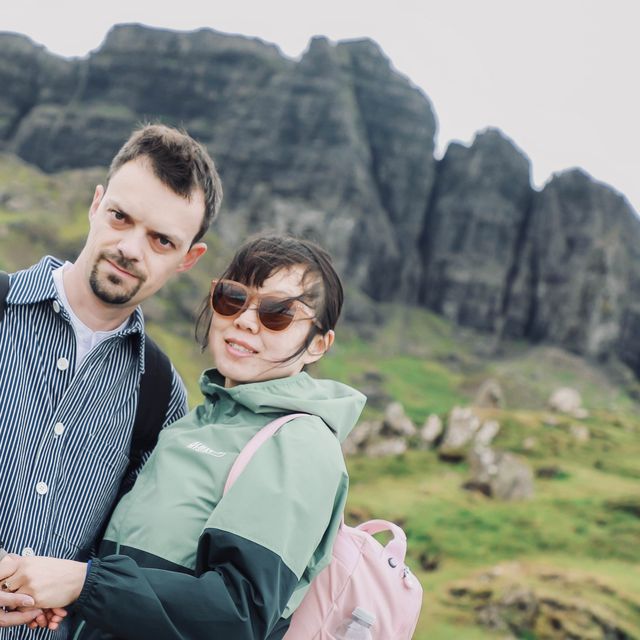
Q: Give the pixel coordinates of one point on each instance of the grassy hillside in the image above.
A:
(572, 552)
(583, 525)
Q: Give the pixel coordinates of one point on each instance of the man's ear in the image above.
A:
(97, 199)
(193, 255)
(320, 344)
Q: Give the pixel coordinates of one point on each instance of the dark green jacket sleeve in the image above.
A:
(238, 593)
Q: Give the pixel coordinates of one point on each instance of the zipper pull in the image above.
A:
(408, 579)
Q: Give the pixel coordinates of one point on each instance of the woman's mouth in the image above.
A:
(237, 347)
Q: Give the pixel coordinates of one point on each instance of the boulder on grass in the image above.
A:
(396, 422)
(503, 475)
(489, 395)
(462, 427)
(568, 401)
(431, 431)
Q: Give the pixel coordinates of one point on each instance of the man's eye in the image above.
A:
(164, 242)
(118, 215)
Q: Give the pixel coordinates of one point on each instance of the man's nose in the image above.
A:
(131, 245)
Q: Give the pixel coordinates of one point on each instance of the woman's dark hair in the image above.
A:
(264, 255)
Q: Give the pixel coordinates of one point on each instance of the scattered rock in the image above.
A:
(396, 422)
(530, 443)
(505, 475)
(488, 431)
(489, 395)
(568, 401)
(361, 435)
(580, 432)
(464, 431)
(462, 426)
(386, 447)
(365, 431)
(431, 430)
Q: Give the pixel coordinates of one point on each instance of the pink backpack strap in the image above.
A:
(397, 546)
(253, 445)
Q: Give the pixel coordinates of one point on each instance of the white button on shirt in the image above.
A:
(56, 306)
(62, 364)
(42, 488)
(58, 428)
(28, 551)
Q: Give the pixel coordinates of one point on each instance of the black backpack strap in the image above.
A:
(153, 401)
(4, 291)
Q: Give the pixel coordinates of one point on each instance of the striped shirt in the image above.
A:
(64, 434)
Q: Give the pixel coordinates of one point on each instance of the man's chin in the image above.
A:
(112, 293)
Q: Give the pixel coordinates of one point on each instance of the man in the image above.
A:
(72, 351)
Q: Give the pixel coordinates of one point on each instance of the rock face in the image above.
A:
(339, 147)
(578, 269)
(474, 230)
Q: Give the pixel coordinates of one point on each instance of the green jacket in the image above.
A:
(180, 561)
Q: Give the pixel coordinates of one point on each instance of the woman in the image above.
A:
(179, 560)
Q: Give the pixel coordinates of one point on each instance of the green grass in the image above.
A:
(575, 522)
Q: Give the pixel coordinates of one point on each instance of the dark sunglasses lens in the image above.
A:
(275, 314)
(228, 299)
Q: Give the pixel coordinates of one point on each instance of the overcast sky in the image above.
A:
(559, 77)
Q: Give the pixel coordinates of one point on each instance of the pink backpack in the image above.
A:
(362, 573)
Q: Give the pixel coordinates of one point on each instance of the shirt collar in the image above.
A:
(35, 284)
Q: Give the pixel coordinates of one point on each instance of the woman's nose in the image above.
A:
(248, 320)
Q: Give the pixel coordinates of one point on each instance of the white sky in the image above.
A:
(560, 77)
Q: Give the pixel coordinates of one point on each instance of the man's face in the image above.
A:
(140, 234)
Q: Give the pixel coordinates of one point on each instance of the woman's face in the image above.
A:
(244, 351)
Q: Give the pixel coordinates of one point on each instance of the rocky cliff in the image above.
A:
(340, 147)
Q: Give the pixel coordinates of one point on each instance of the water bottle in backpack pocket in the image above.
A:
(355, 627)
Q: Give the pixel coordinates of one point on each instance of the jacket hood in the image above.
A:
(337, 404)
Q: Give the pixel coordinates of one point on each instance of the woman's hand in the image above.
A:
(52, 583)
(50, 618)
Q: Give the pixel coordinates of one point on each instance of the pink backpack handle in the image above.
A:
(397, 546)
(249, 449)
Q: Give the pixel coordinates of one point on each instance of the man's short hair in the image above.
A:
(179, 162)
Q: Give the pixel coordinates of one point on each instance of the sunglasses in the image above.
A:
(230, 299)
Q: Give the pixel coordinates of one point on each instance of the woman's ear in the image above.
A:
(320, 344)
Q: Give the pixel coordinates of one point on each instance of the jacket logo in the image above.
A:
(202, 448)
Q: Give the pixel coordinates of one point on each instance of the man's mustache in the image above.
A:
(123, 263)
